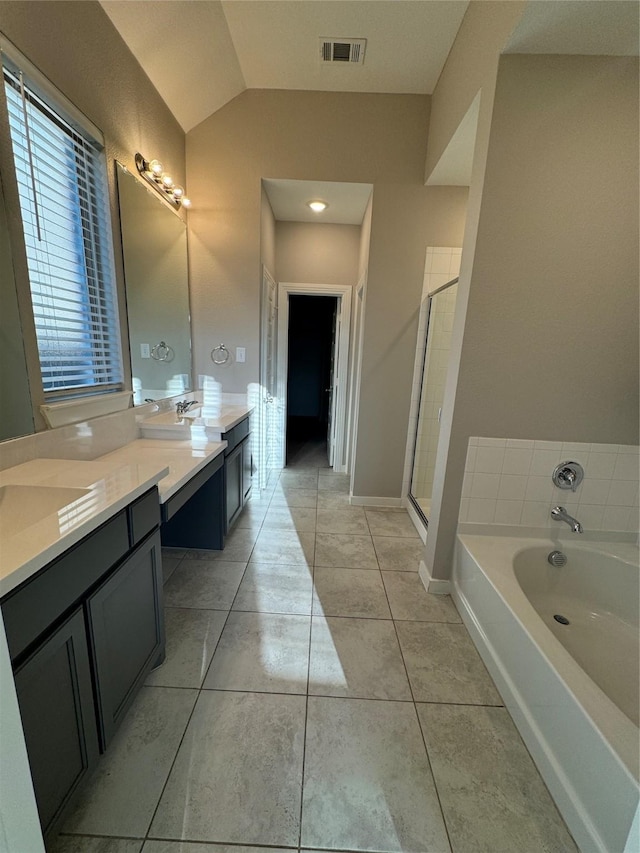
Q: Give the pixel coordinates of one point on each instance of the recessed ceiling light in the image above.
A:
(318, 206)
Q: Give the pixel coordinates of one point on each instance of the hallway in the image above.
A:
(314, 697)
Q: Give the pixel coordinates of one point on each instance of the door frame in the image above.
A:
(341, 370)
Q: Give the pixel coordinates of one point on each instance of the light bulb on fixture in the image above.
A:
(155, 167)
(167, 181)
(177, 192)
(318, 206)
(186, 202)
(152, 172)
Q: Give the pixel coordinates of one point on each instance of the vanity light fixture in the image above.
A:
(153, 172)
(317, 206)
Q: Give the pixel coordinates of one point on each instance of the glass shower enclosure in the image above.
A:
(440, 309)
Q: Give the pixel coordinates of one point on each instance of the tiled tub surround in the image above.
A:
(508, 482)
(584, 745)
(314, 697)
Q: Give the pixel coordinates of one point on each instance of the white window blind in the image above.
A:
(64, 203)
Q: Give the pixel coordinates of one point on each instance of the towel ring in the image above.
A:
(220, 354)
(162, 352)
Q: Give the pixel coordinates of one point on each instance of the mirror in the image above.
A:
(154, 244)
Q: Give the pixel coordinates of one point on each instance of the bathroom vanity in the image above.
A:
(83, 616)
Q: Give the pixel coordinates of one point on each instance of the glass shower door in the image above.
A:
(441, 308)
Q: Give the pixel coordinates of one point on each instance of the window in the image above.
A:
(61, 175)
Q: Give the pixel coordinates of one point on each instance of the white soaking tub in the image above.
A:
(572, 689)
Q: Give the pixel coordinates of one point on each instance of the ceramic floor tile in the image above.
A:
(344, 519)
(299, 479)
(333, 500)
(409, 599)
(86, 844)
(332, 482)
(294, 497)
(171, 559)
(345, 550)
(195, 847)
(357, 592)
(263, 652)
(121, 796)
(237, 547)
(390, 522)
(272, 588)
(367, 782)
(358, 658)
(192, 636)
(290, 518)
(492, 795)
(286, 547)
(398, 554)
(207, 584)
(252, 516)
(443, 664)
(238, 774)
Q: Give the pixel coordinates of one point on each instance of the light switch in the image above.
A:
(145, 351)
(241, 354)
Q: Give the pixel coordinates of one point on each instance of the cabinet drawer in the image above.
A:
(34, 607)
(234, 436)
(144, 516)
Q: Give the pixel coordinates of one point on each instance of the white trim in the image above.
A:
(73, 411)
(433, 585)
(341, 374)
(363, 500)
(359, 298)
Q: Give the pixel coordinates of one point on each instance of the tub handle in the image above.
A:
(568, 475)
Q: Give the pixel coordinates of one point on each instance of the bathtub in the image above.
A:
(553, 676)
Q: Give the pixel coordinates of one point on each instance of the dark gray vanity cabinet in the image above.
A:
(194, 516)
(126, 631)
(56, 706)
(238, 471)
(83, 634)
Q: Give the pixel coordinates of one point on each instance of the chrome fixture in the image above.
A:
(162, 352)
(559, 513)
(153, 172)
(568, 475)
(220, 354)
(183, 406)
(557, 558)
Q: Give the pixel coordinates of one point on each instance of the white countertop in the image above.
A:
(35, 530)
(192, 425)
(183, 459)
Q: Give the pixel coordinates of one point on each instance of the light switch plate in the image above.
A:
(241, 354)
(145, 351)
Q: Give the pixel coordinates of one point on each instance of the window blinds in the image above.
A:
(65, 214)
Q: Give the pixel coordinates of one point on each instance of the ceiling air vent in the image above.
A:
(335, 51)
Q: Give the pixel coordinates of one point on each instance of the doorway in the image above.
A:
(314, 323)
(311, 340)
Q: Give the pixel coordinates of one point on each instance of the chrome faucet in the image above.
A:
(183, 406)
(559, 513)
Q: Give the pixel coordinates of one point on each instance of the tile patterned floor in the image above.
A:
(314, 698)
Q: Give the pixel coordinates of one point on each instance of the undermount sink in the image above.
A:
(22, 506)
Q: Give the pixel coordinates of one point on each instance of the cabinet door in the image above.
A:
(126, 629)
(247, 469)
(233, 485)
(58, 717)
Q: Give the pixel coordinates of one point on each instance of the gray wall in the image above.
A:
(76, 46)
(550, 348)
(313, 253)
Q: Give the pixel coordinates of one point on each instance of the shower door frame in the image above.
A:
(412, 500)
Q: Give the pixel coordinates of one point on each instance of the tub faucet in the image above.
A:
(559, 513)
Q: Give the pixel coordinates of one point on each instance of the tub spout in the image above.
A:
(559, 513)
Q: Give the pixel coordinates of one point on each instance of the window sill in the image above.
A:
(73, 411)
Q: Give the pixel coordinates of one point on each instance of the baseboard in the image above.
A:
(360, 500)
(434, 585)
